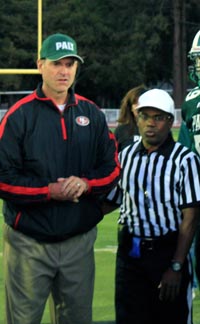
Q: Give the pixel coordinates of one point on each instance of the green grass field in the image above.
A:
(105, 248)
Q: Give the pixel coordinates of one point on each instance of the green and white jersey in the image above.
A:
(191, 117)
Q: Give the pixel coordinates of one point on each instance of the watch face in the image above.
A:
(176, 266)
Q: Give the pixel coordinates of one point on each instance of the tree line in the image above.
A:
(124, 43)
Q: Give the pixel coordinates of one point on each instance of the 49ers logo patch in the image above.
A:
(82, 121)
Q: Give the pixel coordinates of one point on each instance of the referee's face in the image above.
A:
(154, 126)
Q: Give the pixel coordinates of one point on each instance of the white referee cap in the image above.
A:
(157, 98)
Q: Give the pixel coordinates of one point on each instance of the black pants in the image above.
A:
(137, 280)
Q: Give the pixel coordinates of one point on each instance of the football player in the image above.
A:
(191, 119)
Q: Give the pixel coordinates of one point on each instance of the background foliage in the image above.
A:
(124, 43)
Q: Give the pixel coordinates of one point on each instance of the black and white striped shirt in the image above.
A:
(156, 186)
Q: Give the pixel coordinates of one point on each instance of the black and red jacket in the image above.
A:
(39, 144)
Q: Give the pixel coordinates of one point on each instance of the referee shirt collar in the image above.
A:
(164, 149)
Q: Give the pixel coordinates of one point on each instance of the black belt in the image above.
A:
(149, 243)
(125, 239)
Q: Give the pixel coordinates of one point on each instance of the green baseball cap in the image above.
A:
(58, 46)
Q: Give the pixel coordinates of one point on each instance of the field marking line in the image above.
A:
(112, 249)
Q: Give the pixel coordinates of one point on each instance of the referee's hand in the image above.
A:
(170, 285)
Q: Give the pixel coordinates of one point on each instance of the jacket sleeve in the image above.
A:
(15, 185)
(107, 169)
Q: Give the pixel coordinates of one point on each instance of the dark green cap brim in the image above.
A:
(59, 57)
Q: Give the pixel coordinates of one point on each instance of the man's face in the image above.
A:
(154, 126)
(58, 76)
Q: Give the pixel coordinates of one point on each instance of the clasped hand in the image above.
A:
(68, 188)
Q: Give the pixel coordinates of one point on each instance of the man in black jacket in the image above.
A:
(57, 157)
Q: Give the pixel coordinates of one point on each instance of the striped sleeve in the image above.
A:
(115, 196)
(190, 189)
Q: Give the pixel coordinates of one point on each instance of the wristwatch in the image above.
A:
(176, 266)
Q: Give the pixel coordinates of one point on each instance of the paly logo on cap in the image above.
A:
(64, 45)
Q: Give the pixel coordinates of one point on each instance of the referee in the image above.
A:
(159, 211)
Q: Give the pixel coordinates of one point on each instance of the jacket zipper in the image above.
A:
(17, 220)
(63, 126)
